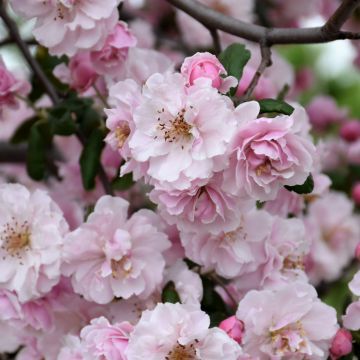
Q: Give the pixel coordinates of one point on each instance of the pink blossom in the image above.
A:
(353, 153)
(205, 206)
(72, 349)
(178, 331)
(114, 260)
(350, 130)
(69, 26)
(233, 327)
(104, 340)
(334, 232)
(110, 59)
(208, 66)
(341, 344)
(10, 88)
(323, 112)
(355, 193)
(180, 132)
(32, 228)
(80, 74)
(351, 319)
(268, 153)
(289, 322)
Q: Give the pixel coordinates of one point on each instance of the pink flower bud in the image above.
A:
(203, 65)
(341, 344)
(355, 193)
(357, 252)
(350, 131)
(233, 327)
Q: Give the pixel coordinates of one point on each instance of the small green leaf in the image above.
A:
(234, 58)
(275, 106)
(306, 188)
(89, 119)
(22, 133)
(123, 183)
(90, 158)
(39, 142)
(62, 122)
(169, 294)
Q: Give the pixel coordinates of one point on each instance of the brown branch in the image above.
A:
(265, 62)
(9, 41)
(216, 41)
(213, 19)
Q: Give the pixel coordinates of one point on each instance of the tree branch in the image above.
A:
(265, 62)
(216, 40)
(256, 33)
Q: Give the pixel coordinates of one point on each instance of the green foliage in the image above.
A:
(170, 294)
(22, 133)
(90, 158)
(123, 183)
(270, 106)
(306, 188)
(234, 58)
(39, 144)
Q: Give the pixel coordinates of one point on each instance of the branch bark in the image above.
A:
(256, 33)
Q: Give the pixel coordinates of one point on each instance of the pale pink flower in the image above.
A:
(353, 153)
(181, 132)
(177, 331)
(72, 349)
(187, 283)
(115, 261)
(207, 65)
(80, 73)
(334, 231)
(323, 112)
(268, 153)
(10, 88)
(351, 319)
(205, 206)
(32, 228)
(69, 26)
(111, 58)
(197, 35)
(287, 323)
(102, 340)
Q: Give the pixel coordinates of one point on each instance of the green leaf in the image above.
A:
(89, 119)
(62, 122)
(22, 133)
(123, 183)
(234, 58)
(39, 143)
(337, 296)
(90, 158)
(169, 294)
(275, 106)
(306, 188)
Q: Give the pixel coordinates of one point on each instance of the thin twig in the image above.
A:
(215, 20)
(9, 41)
(265, 62)
(216, 40)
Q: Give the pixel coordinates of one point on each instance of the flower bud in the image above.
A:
(350, 131)
(233, 327)
(355, 193)
(82, 72)
(341, 344)
(357, 251)
(203, 65)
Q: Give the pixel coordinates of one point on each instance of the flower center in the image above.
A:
(63, 7)
(182, 352)
(263, 168)
(175, 129)
(290, 338)
(121, 268)
(15, 238)
(293, 263)
(122, 133)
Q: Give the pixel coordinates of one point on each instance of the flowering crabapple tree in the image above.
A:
(177, 181)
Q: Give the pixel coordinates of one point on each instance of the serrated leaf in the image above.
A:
(169, 294)
(39, 142)
(234, 58)
(123, 183)
(306, 188)
(22, 133)
(275, 106)
(90, 158)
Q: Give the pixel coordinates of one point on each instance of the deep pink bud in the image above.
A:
(357, 252)
(350, 131)
(341, 344)
(233, 327)
(355, 193)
